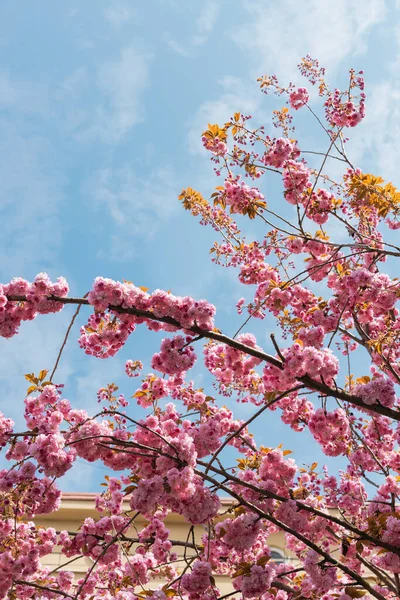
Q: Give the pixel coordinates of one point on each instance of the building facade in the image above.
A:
(77, 507)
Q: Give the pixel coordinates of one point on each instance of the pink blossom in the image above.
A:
(199, 579)
(256, 583)
(298, 98)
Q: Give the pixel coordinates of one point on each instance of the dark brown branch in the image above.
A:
(246, 423)
(219, 337)
(301, 506)
(43, 588)
(362, 535)
(326, 556)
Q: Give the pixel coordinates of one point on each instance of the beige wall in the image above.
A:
(76, 507)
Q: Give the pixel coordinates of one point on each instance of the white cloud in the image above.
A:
(203, 27)
(375, 144)
(279, 34)
(175, 46)
(24, 97)
(136, 205)
(205, 22)
(377, 139)
(237, 95)
(118, 15)
(36, 347)
(74, 81)
(69, 94)
(121, 83)
(32, 194)
(95, 376)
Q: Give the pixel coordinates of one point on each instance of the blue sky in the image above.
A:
(102, 105)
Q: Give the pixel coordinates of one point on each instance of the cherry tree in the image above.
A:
(318, 270)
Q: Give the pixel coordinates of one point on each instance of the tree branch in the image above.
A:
(219, 337)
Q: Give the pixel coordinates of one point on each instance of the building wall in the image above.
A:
(76, 507)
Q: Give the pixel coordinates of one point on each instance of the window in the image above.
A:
(277, 556)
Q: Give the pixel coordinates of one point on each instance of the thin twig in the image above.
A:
(246, 423)
(76, 313)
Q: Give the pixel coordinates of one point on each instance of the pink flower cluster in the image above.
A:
(239, 533)
(23, 563)
(152, 389)
(239, 196)
(106, 333)
(388, 562)
(374, 294)
(196, 503)
(90, 437)
(280, 152)
(182, 483)
(6, 428)
(164, 463)
(48, 450)
(393, 224)
(148, 495)
(199, 580)
(133, 368)
(208, 433)
(298, 98)
(378, 391)
(300, 361)
(322, 578)
(274, 467)
(296, 179)
(312, 336)
(161, 547)
(12, 313)
(272, 298)
(343, 112)
(175, 356)
(331, 430)
(228, 364)
(88, 540)
(318, 206)
(255, 583)
(392, 533)
(296, 411)
(185, 310)
(256, 270)
(215, 145)
(138, 569)
(29, 495)
(288, 512)
(111, 500)
(45, 411)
